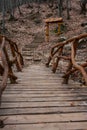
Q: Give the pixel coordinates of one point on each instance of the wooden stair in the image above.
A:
(40, 102)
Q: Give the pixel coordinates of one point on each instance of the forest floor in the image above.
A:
(29, 27)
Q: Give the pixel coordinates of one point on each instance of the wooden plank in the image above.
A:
(53, 20)
(41, 90)
(39, 81)
(42, 104)
(41, 77)
(48, 126)
(44, 110)
(50, 94)
(35, 119)
(45, 89)
(64, 93)
(44, 86)
(42, 99)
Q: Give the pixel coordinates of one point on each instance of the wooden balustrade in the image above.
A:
(10, 56)
(56, 54)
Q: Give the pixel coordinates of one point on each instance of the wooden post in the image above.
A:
(19, 68)
(47, 32)
(59, 28)
(77, 66)
(12, 78)
(55, 65)
(66, 79)
(51, 21)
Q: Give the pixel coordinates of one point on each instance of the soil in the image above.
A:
(28, 29)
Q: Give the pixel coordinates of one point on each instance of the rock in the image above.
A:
(49, 15)
(38, 21)
(82, 43)
(62, 38)
(84, 24)
(85, 28)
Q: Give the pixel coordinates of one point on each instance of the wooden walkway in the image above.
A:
(40, 102)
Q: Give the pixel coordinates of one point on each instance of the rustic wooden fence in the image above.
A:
(10, 58)
(56, 54)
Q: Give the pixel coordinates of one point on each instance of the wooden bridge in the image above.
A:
(39, 101)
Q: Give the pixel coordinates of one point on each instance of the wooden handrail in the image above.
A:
(6, 69)
(5, 65)
(55, 50)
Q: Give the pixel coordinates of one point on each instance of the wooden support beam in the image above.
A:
(66, 79)
(55, 64)
(19, 68)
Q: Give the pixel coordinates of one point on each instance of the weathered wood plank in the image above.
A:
(43, 104)
(39, 95)
(44, 86)
(48, 126)
(44, 110)
(32, 119)
(42, 99)
(45, 89)
(50, 94)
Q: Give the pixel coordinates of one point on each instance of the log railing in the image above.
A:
(4, 69)
(9, 56)
(56, 54)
